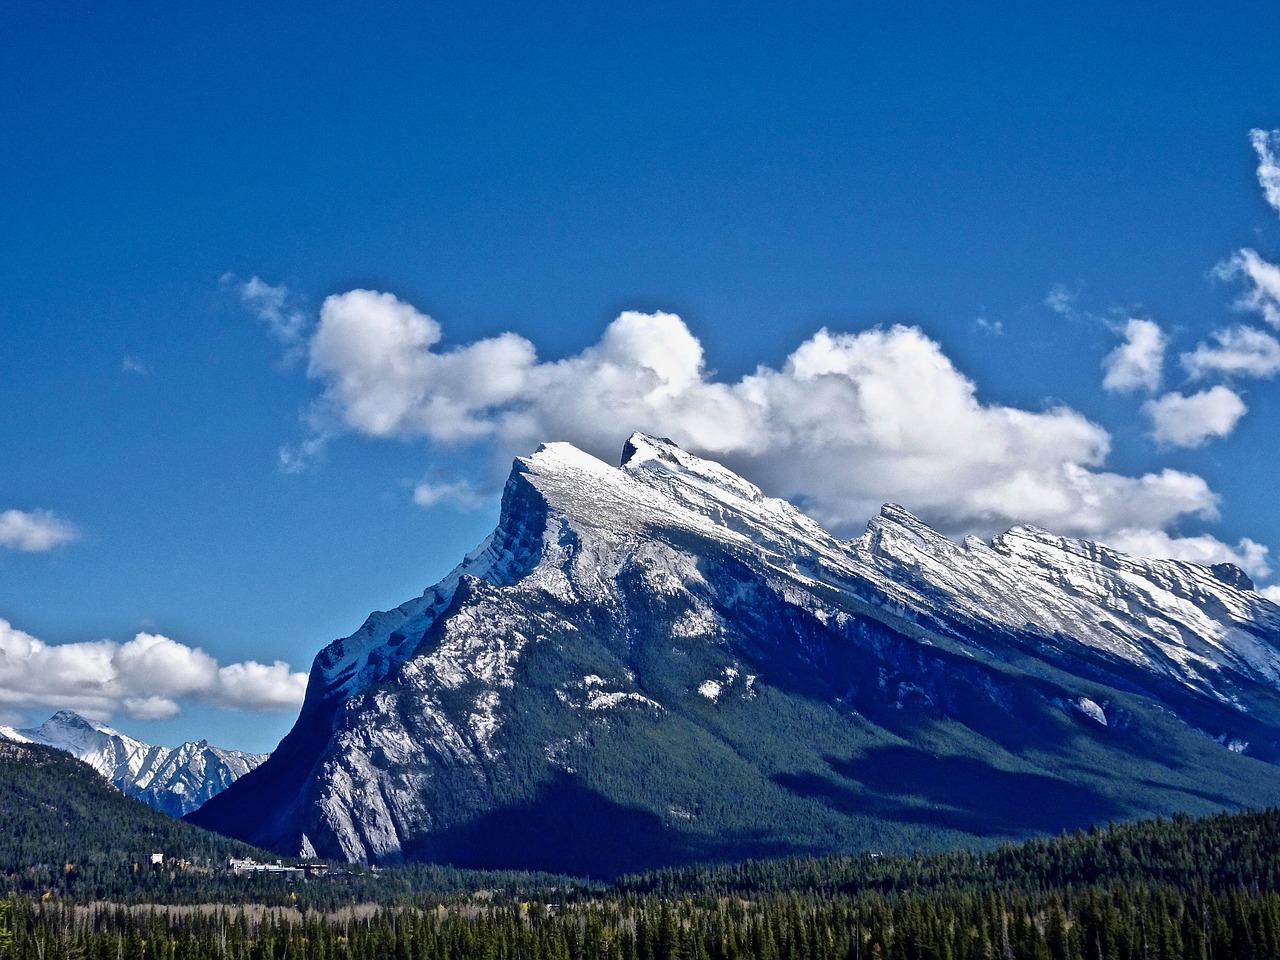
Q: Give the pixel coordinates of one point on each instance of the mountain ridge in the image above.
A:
(174, 780)
(631, 639)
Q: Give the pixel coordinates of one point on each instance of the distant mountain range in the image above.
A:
(656, 665)
(175, 780)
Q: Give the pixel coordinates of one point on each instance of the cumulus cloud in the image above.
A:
(1267, 144)
(1262, 280)
(1238, 351)
(254, 686)
(1189, 421)
(375, 353)
(1271, 593)
(1247, 554)
(147, 678)
(848, 422)
(35, 531)
(1138, 361)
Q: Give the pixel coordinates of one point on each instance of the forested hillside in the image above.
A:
(65, 828)
(1157, 890)
(1216, 853)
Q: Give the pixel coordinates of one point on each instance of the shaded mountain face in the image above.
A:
(656, 664)
(175, 780)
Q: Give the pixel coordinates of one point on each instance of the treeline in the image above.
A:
(1216, 853)
(1189, 853)
(1121, 924)
(202, 883)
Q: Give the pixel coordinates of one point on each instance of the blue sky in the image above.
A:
(980, 207)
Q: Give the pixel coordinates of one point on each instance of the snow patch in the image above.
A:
(593, 692)
(1091, 710)
(607, 701)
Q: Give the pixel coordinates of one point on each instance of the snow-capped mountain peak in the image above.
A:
(69, 731)
(635, 644)
(176, 780)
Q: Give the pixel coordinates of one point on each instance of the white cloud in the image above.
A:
(1249, 555)
(1271, 593)
(151, 708)
(1189, 421)
(272, 306)
(146, 678)
(1267, 143)
(296, 459)
(1263, 279)
(848, 422)
(994, 328)
(456, 492)
(162, 667)
(35, 531)
(1237, 351)
(375, 353)
(257, 686)
(1136, 363)
(134, 365)
(1062, 301)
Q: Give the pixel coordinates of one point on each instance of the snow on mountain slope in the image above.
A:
(660, 651)
(1176, 620)
(175, 780)
(1180, 620)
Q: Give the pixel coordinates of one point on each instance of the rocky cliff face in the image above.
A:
(657, 664)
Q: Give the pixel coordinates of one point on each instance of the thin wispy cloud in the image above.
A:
(274, 307)
(135, 366)
(149, 677)
(1267, 145)
(1261, 280)
(297, 458)
(993, 328)
(1235, 352)
(35, 531)
(1062, 301)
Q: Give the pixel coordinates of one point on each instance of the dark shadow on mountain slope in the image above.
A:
(958, 793)
(574, 830)
(1216, 801)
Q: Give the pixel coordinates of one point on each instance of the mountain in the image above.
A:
(657, 665)
(175, 780)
